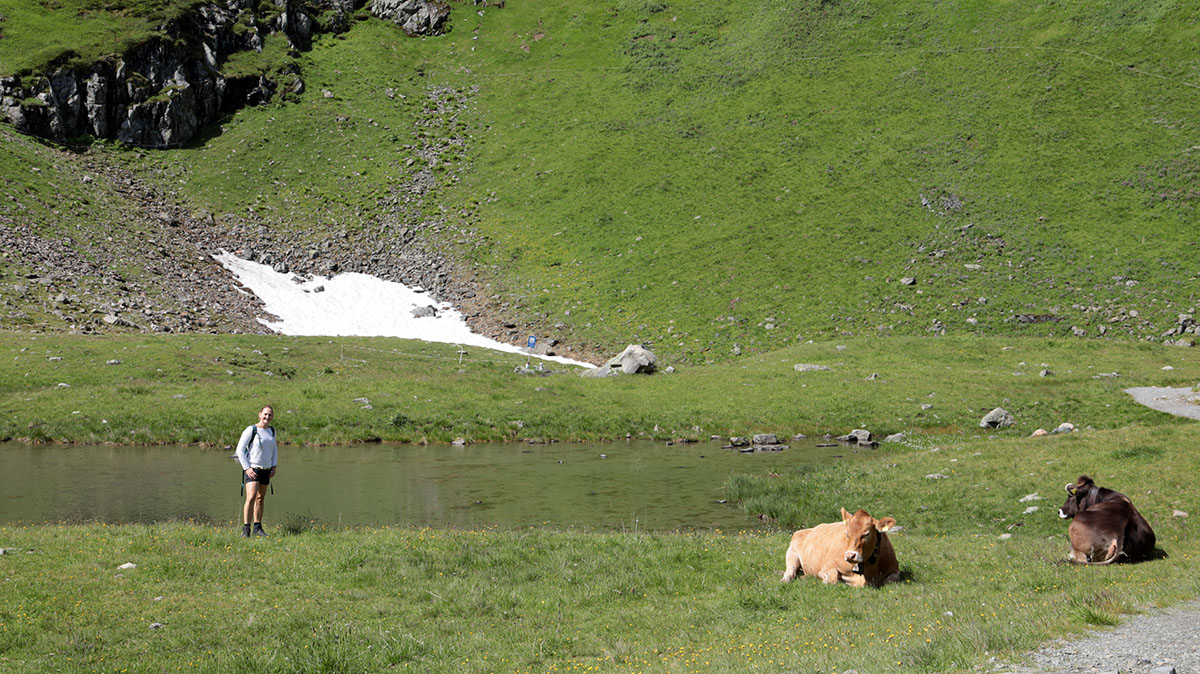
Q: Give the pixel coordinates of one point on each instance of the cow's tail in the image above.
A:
(1115, 553)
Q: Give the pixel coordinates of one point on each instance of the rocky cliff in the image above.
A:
(159, 93)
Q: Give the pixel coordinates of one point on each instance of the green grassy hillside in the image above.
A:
(712, 179)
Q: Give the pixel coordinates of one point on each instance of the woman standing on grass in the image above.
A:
(257, 453)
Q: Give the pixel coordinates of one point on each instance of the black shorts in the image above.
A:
(261, 476)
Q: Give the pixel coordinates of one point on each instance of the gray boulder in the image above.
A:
(766, 439)
(857, 435)
(997, 418)
(635, 359)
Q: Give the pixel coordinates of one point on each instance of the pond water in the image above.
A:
(598, 486)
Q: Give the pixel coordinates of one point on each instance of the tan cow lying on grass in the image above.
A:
(855, 550)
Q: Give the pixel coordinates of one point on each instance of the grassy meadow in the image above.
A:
(938, 203)
(193, 389)
(316, 599)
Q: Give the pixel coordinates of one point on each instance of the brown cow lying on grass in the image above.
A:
(855, 550)
(1104, 525)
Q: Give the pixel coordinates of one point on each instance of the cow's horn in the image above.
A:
(1071, 488)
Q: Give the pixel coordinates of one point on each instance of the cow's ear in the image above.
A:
(846, 516)
(885, 524)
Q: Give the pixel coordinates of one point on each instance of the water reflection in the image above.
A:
(609, 486)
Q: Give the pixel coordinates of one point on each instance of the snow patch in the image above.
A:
(359, 305)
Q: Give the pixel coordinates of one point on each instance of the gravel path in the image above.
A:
(1158, 642)
(1182, 402)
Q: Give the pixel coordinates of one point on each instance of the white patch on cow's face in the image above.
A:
(1062, 514)
(854, 556)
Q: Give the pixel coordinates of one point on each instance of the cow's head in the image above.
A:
(1077, 496)
(864, 535)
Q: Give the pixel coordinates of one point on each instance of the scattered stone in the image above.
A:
(799, 436)
(1064, 427)
(858, 435)
(896, 437)
(1046, 373)
(765, 439)
(738, 441)
(128, 565)
(1030, 497)
(1163, 670)
(425, 312)
(1005, 537)
(936, 476)
(1179, 513)
(1030, 510)
(1039, 433)
(908, 281)
(63, 384)
(809, 367)
(459, 442)
(112, 362)
(156, 626)
(997, 418)
(873, 376)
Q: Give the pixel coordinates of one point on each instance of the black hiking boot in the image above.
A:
(245, 531)
(258, 530)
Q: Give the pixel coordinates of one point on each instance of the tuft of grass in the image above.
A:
(1100, 610)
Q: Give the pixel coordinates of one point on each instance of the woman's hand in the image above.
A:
(250, 473)
(272, 471)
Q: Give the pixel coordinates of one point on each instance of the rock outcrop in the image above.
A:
(160, 92)
(416, 17)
